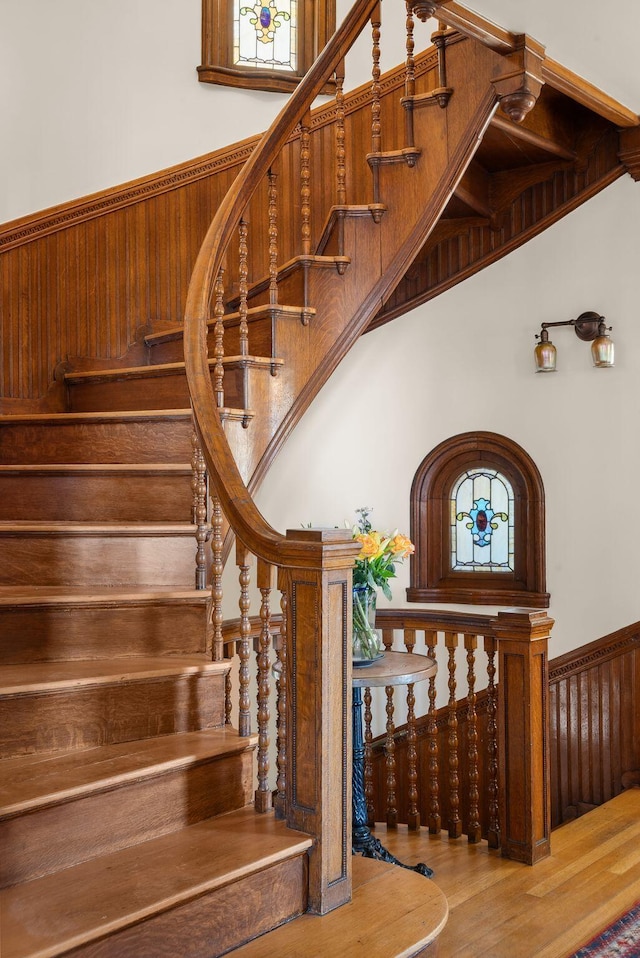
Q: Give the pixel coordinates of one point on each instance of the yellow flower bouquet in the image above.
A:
(374, 566)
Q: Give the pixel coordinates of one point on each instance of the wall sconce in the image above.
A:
(590, 327)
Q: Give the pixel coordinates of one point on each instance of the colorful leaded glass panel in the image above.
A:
(482, 522)
(265, 35)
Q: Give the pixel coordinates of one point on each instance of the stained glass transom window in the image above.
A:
(265, 35)
(482, 522)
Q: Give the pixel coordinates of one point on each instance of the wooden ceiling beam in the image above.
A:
(531, 138)
(474, 189)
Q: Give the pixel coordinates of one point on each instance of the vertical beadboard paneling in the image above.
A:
(595, 710)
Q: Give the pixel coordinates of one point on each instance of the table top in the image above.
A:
(394, 668)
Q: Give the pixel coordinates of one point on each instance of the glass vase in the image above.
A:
(366, 641)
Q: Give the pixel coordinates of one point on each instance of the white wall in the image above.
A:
(465, 362)
(96, 94)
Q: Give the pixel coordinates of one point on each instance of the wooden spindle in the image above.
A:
(409, 639)
(409, 78)
(493, 833)
(243, 559)
(263, 798)
(474, 832)
(413, 815)
(280, 802)
(390, 762)
(199, 490)
(368, 763)
(454, 824)
(217, 569)
(387, 639)
(243, 273)
(218, 339)
(305, 183)
(435, 819)
(376, 126)
(341, 173)
(442, 93)
(273, 238)
(228, 699)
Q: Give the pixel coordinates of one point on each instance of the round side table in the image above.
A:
(393, 668)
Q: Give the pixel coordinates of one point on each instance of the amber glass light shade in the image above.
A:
(545, 355)
(602, 351)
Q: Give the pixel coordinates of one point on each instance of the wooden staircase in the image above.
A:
(126, 817)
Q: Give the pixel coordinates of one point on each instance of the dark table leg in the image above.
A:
(363, 842)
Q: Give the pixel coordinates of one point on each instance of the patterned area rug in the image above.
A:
(619, 940)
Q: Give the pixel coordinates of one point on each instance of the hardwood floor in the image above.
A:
(502, 909)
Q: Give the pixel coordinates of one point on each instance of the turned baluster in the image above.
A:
(263, 793)
(368, 764)
(435, 819)
(217, 569)
(228, 699)
(413, 815)
(390, 762)
(341, 172)
(493, 834)
(243, 559)
(454, 824)
(243, 273)
(273, 238)
(376, 125)
(473, 833)
(218, 339)
(280, 801)
(442, 93)
(409, 78)
(199, 490)
(409, 639)
(305, 182)
(387, 639)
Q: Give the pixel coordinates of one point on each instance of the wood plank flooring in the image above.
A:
(502, 909)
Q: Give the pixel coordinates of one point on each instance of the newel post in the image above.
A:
(318, 663)
(523, 734)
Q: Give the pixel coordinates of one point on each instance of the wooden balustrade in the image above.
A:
(477, 761)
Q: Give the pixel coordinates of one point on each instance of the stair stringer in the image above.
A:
(380, 254)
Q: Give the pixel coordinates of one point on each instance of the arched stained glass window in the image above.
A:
(477, 522)
(263, 46)
(482, 524)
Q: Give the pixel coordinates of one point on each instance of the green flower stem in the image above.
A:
(365, 638)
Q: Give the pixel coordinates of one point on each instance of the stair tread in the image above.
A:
(155, 370)
(45, 779)
(97, 468)
(41, 676)
(25, 527)
(393, 912)
(15, 595)
(53, 418)
(176, 332)
(49, 915)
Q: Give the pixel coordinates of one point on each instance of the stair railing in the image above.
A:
(314, 566)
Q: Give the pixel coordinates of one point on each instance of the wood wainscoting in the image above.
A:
(594, 705)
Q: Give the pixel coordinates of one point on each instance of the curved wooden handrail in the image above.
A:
(242, 513)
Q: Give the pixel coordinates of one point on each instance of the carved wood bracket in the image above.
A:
(519, 86)
(629, 152)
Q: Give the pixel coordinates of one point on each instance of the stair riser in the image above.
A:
(87, 717)
(156, 392)
(216, 922)
(85, 561)
(167, 440)
(50, 634)
(260, 343)
(49, 839)
(96, 498)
